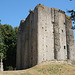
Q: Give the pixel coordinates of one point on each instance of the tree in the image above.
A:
(9, 40)
(72, 13)
(1, 44)
(0, 41)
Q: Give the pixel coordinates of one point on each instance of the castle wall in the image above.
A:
(62, 51)
(27, 42)
(56, 34)
(33, 53)
(70, 39)
(62, 34)
(45, 35)
(35, 39)
(19, 52)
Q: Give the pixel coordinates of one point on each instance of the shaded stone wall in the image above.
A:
(45, 35)
(60, 35)
(70, 39)
(27, 42)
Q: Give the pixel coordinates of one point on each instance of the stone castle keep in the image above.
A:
(45, 35)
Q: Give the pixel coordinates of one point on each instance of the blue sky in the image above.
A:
(12, 11)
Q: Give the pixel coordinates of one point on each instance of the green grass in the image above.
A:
(45, 69)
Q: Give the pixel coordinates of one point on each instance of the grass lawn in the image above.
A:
(45, 69)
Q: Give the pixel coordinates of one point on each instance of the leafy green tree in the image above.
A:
(9, 40)
(72, 13)
(1, 44)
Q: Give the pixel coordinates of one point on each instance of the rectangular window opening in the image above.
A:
(62, 30)
(64, 47)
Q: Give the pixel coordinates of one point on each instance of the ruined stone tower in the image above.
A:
(46, 34)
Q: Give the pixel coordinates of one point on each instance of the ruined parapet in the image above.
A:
(31, 11)
(40, 5)
(45, 35)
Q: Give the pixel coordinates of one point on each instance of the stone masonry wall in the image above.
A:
(70, 39)
(45, 35)
(60, 35)
(27, 42)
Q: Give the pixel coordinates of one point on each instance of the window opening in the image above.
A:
(64, 47)
(62, 30)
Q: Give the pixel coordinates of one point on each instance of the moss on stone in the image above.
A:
(69, 18)
(40, 5)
